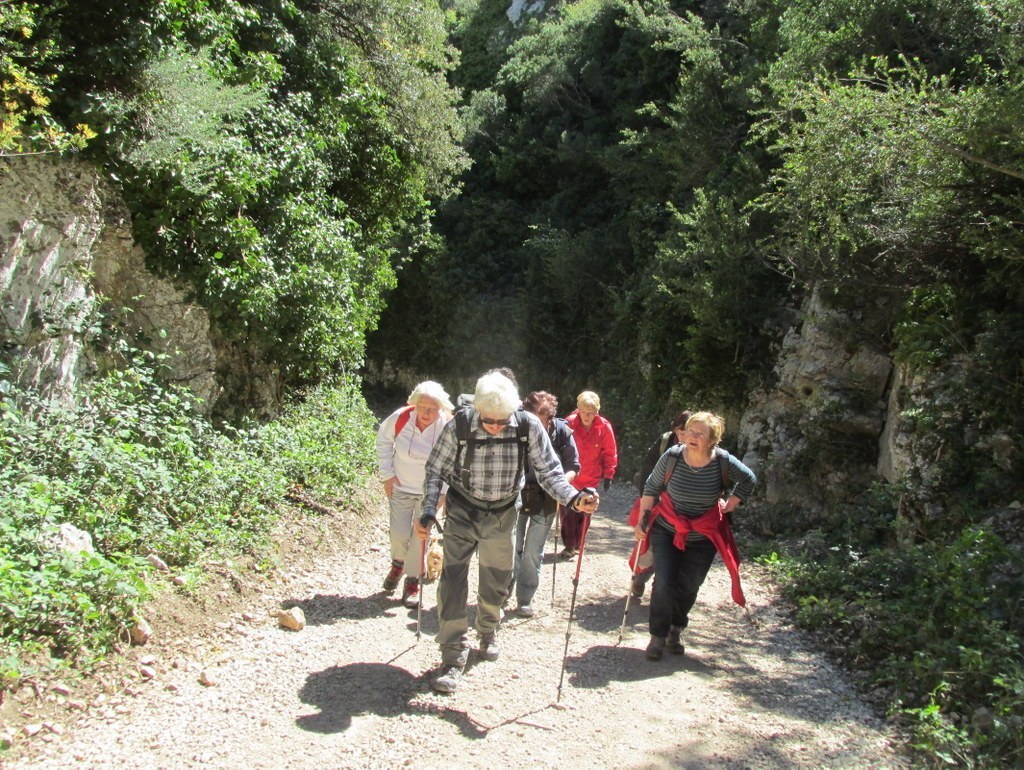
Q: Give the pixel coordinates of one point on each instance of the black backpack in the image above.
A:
(466, 444)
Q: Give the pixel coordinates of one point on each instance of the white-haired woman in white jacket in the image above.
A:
(404, 441)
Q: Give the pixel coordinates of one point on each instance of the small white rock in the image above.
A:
(141, 632)
(158, 563)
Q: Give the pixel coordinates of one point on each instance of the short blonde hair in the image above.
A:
(433, 390)
(589, 398)
(716, 425)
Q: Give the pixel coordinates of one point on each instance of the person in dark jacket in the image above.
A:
(668, 439)
(539, 508)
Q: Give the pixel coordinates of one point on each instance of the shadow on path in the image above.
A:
(343, 692)
(600, 665)
(322, 610)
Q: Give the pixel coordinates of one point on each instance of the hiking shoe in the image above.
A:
(489, 649)
(674, 644)
(411, 593)
(655, 648)
(448, 679)
(391, 581)
(568, 553)
(637, 586)
(525, 611)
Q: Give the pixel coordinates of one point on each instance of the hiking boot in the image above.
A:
(411, 593)
(391, 581)
(448, 679)
(637, 586)
(568, 553)
(525, 611)
(489, 649)
(674, 644)
(655, 648)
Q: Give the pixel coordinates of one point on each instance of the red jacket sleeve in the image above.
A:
(609, 452)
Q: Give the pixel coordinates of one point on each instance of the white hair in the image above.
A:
(496, 394)
(433, 390)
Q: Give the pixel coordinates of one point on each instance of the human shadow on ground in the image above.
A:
(325, 609)
(603, 613)
(340, 693)
(599, 665)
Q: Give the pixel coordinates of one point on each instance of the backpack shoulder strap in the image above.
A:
(559, 433)
(723, 467)
(403, 418)
(464, 447)
(673, 459)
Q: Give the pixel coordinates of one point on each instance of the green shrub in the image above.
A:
(133, 464)
(937, 624)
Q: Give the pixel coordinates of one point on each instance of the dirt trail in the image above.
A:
(353, 688)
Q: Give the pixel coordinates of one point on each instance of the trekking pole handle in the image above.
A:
(586, 496)
(429, 520)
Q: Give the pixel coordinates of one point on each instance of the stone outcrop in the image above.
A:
(69, 255)
(70, 265)
(814, 437)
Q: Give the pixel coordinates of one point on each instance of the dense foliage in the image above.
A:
(277, 155)
(135, 468)
(655, 180)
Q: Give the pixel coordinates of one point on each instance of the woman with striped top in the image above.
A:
(685, 520)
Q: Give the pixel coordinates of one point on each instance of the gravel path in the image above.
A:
(353, 688)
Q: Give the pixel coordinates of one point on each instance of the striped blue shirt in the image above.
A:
(694, 490)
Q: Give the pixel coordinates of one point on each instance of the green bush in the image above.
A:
(937, 625)
(134, 465)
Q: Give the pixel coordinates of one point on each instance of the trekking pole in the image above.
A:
(572, 603)
(424, 521)
(554, 553)
(629, 592)
(419, 596)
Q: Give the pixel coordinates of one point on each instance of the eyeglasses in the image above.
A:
(493, 421)
(696, 434)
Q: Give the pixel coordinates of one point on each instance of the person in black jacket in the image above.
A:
(671, 437)
(539, 508)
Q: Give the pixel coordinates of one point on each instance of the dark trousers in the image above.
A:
(678, 576)
(572, 526)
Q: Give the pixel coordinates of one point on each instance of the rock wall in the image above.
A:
(815, 435)
(68, 254)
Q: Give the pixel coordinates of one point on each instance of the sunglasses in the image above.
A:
(493, 421)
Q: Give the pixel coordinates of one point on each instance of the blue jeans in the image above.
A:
(678, 576)
(531, 535)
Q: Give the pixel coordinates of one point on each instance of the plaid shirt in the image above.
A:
(493, 475)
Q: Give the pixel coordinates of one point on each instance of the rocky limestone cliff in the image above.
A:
(816, 436)
(70, 264)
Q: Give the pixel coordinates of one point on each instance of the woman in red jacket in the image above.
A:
(599, 457)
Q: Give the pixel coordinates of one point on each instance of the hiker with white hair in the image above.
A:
(404, 441)
(482, 454)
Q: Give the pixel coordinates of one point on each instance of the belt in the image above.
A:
(494, 506)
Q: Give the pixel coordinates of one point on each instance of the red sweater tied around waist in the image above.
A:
(713, 524)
